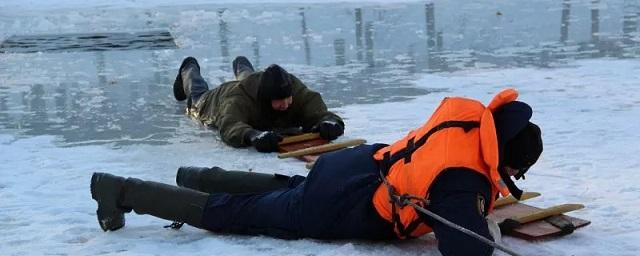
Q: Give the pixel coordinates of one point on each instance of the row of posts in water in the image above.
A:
(364, 33)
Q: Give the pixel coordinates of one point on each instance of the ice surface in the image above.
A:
(65, 115)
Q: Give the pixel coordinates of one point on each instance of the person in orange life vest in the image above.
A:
(460, 160)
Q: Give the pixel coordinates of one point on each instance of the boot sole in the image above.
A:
(94, 179)
(106, 222)
(178, 91)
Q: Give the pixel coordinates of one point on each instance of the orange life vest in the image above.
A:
(460, 133)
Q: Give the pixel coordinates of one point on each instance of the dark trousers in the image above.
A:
(333, 202)
(197, 86)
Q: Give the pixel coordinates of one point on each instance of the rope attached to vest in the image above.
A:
(401, 201)
(463, 230)
(407, 199)
(406, 154)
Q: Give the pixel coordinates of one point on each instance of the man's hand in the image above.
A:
(264, 141)
(329, 130)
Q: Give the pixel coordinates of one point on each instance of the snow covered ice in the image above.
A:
(64, 115)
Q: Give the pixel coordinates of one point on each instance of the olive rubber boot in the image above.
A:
(165, 201)
(218, 180)
(106, 190)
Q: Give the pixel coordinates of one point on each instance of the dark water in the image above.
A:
(149, 40)
(351, 53)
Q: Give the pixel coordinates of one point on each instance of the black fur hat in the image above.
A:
(275, 83)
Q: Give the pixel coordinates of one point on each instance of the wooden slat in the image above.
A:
(511, 200)
(298, 138)
(322, 148)
(544, 213)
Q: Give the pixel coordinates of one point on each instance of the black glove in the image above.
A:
(264, 141)
(329, 130)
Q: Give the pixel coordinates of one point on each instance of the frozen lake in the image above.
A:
(352, 53)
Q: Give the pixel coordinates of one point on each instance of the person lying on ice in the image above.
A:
(257, 107)
(455, 165)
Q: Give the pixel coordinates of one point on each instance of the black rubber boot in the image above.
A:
(242, 67)
(106, 190)
(179, 92)
(165, 201)
(218, 180)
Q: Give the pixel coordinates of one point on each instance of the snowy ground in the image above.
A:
(588, 110)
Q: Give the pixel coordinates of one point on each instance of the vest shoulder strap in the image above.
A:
(406, 153)
(412, 144)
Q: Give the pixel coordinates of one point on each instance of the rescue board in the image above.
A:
(288, 144)
(539, 223)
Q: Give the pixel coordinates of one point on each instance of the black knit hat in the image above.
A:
(519, 141)
(275, 83)
(524, 149)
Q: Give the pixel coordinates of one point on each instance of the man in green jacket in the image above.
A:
(257, 108)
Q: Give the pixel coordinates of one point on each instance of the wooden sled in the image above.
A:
(298, 142)
(306, 147)
(538, 223)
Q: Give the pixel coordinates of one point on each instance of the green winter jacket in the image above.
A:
(235, 109)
